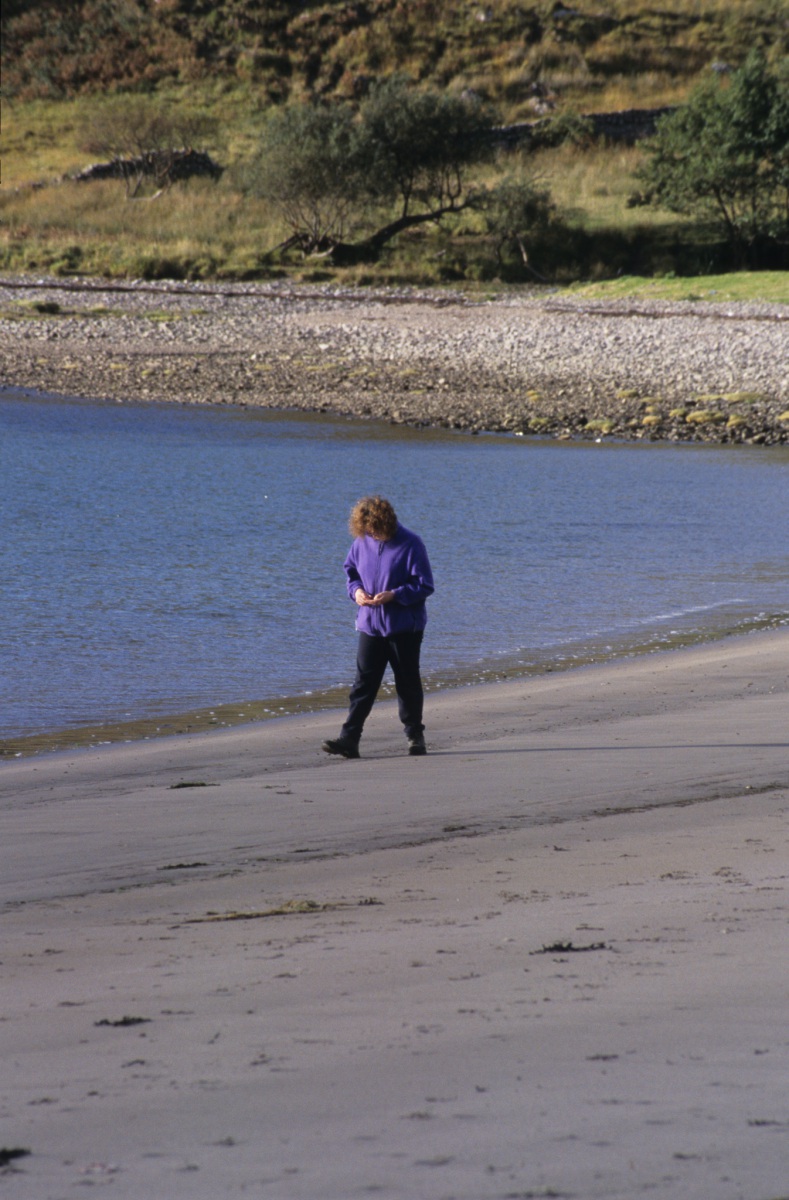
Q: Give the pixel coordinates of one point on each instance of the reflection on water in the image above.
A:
(160, 559)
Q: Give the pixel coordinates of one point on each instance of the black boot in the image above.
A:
(416, 745)
(342, 746)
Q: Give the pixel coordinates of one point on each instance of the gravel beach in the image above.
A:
(533, 362)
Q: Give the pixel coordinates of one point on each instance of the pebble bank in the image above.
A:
(531, 362)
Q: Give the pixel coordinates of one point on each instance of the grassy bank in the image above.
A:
(220, 230)
(770, 286)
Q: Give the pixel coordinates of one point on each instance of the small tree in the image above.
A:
(724, 157)
(144, 143)
(308, 170)
(517, 212)
(333, 173)
(417, 149)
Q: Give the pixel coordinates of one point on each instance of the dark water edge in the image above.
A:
(225, 716)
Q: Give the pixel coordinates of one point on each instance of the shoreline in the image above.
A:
(546, 959)
(531, 363)
(226, 715)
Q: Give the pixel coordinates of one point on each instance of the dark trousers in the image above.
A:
(373, 655)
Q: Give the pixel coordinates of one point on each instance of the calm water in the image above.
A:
(162, 559)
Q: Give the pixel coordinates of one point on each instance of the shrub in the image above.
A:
(724, 158)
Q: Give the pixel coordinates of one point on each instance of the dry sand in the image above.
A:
(548, 960)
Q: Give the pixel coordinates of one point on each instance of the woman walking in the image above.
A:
(389, 579)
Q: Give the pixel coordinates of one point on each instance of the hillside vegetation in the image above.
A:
(593, 53)
(69, 65)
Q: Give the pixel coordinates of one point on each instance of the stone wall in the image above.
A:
(627, 126)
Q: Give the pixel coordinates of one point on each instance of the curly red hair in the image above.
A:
(375, 516)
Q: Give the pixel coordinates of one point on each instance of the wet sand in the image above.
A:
(548, 960)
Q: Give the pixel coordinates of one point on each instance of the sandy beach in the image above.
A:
(547, 960)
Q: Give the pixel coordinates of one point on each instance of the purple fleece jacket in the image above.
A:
(400, 565)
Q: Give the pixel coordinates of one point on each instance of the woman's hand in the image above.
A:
(365, 600)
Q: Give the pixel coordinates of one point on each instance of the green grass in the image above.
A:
(212, 231)
(200, 230)
(42, 140)
(594, 184)
(745, 285)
